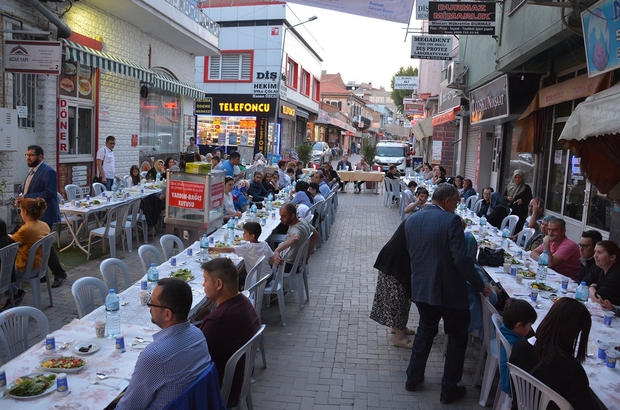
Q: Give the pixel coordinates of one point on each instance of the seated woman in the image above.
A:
(267, 184)
(302, 196)
(560, 348)
(439, 175)
(275, 178)
(157, 168)
(134, 176)
(18, 294)
(458, 184)
(229, 205)
(171, 164)
(468, 189)
(498, 210)
(239, 193)
(604, 283)
(31, 210)
(392, 172)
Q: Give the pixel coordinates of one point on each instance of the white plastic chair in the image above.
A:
(33, 276)
(109, 268)
(276, 287)
(14, 329)
(510, 221)
(127, 180)
(109, 231)
(255, 294)
(74, 192)
(532, 394)
(72, 219)
(298, 273)
(149, 254)
(121, 182)
(478, 205)
(254, 274)
(490, 348)
(84, 293)
(325, 218)
(524, 236)
(131, 221)
(98, 188)
(8, 254)
(471, 201)
(249, 352)
(500, 396)
(167, 243)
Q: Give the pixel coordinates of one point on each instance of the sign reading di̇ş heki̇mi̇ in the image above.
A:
(431, 47)
(184, 194)
(217, 195)
(461, 18)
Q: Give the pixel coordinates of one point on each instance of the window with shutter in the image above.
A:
(230, 66)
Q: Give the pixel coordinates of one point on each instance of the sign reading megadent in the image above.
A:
(431, 47)
(461, 18)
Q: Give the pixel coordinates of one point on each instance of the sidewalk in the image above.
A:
(330, 355)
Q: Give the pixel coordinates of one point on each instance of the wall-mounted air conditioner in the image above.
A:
(455, 74)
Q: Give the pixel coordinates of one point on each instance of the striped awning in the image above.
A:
(177, 87)
(91, 57)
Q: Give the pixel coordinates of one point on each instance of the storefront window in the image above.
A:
(160, 126)
(599, 210)
(80, 130)
(523, 161)
(557, 172)
(227, 131)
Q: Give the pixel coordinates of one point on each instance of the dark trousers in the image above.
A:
(108, 183)
(456, 322)
(54, 263)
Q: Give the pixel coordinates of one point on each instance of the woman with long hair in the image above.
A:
(134, 175)
(560, 348)
(31, 210)
(604, 283)
(18, 294)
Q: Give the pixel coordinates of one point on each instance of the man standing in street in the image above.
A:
(105, 162)
(343, 165)
(563, 252)
(586, 252)
(440, 268)
(42, 182)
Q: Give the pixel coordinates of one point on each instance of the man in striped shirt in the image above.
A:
(176, 357)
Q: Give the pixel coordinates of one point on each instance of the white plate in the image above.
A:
(50, 389)
(60, 370)
(95, 347)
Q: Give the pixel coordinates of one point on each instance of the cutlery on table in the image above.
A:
(63, 346)
(103, 376)
(96, 382)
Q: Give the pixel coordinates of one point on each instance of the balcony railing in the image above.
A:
(189, 8)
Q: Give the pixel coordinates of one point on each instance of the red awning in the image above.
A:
(446, 116)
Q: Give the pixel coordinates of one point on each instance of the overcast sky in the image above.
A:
(361, 49)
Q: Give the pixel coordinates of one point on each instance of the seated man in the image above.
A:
(343, 165)
(284, 180)
(177, 356)
(486, 201)
(361, 166)
(319, 178)
(563, 253)
(536, 240)
(231, 324)
(586, 250)
(298, 231)
(256, 190)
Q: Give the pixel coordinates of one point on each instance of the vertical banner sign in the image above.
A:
(188, 195)
(217, 195)
(601, 35)
(63, 126)
(468, 19)
(260, 144)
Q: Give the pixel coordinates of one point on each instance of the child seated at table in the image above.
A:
(251, 251)
(518, 316)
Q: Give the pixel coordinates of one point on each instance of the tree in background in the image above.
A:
(398, 95)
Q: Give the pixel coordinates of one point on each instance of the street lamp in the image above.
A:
(275, 121)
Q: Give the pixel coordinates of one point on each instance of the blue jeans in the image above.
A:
(108, 183)
(456, 322)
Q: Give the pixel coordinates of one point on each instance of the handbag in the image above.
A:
(96, 179)
(490, 257)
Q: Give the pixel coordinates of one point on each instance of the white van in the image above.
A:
(392, 152)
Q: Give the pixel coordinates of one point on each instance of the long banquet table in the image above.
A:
(603, 381)
(135, 321)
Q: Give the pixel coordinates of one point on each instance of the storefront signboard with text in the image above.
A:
(601, 35)
(188, 195)
(235, 105)
(431, 47)
(63, 126)
(489, 102)
(32, 57)
(461, 18)
(217, 195)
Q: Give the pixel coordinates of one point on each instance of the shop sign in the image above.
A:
(63, 126)
(413, 107)
(431, 47)
(406, 82)
(188, 195)
(32, 57)
(260, 144)
(443, 118)
(448, 97)
(572, 89)
(287, 111)
(235, 105)
(421, 10)
(461, 18)
(489, 102)
(217, 195)
(601, 35)
(398, 11)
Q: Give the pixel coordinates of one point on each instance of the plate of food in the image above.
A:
(470, 221)
(67, 85)
(31, 386)
(184, 274)
(69, 68)
(512, 259)
(63, 364)
(527, 274)
(544, 286)
(277, 203)
(85, 87)
(86, 348)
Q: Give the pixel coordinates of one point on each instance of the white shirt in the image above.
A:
(229, 204)
(106, 155)
(251, 253)
(302, 212)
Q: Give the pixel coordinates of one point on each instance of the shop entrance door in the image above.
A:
(496, 161)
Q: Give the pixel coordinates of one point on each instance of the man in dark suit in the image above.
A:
(343, 165)
(440, 268)
(42, 182)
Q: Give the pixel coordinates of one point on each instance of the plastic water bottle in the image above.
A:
(113, 315)
(152, 276)
(114, 187)
(483, 226)
(253, 210)
(582, 294)
(158, 177)
(270, 197)
(204, 248)
(541, 272)
(231, 231)
(505, 235)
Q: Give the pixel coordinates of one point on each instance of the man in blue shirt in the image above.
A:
(319, 178)
(176, 357)
(229, 166)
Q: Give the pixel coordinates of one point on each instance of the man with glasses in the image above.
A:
(586, 252)
(176, 357)
(105, 162)
(563, 253)
(440, 269)
(536, 240)
(486, 201)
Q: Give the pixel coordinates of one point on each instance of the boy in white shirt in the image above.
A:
(252, 250)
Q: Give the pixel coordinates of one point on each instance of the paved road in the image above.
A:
(330, 355)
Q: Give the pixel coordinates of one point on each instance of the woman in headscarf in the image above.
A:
(259, 162)
(498, 210)
(518, 196)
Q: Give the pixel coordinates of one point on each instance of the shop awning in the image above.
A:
(423, 128)
(445, 116)
(91, 57)
(177, 87)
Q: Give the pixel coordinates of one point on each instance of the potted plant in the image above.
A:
(303, 152)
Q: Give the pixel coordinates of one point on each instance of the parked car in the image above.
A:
(321, 153)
